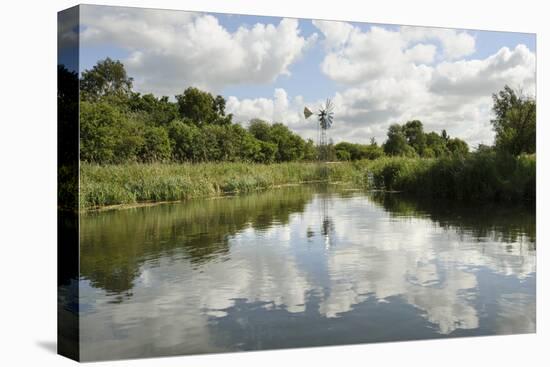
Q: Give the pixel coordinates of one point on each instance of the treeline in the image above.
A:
(118, 125)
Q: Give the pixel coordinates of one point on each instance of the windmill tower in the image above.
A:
(325, 117)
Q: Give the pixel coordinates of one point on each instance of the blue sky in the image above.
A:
(272, 67)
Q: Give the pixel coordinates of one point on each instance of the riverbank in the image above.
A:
(142, 183)
(479, 177)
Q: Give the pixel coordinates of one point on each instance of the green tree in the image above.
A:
(310, 151)
(436, 145)
(158, 111)
(514, 122)
(371, 151)
(396, 144)
(268, 152)
(259, 129)
(347, 151)
(414, 133)
(202, 108)
(290, 146)
(156, 145)
(457, 146)
(185, 139)
(343, 155)
(108, 77)
(106, 134)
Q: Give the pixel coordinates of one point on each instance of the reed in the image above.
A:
(475, 177)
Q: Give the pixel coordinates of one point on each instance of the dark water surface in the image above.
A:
(302, 266)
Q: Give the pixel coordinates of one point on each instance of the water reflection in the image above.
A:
(298, 267)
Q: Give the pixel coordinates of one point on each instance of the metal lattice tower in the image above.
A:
(325, 117)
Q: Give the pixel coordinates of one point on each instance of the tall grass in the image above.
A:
(476, 177)
(135, 183)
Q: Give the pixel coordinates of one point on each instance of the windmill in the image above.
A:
(325, 117)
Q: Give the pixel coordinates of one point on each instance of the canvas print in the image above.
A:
(238, 182)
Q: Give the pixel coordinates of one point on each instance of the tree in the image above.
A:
(107, 135)
(290, 146)
(158, 111)
(514, 122)
(259, 129)
(457, 146)
(414, 133)
(444, 135)
(396, 144)
(267, 153)
(436, 145)
(371, 151)
(343, 155)
(310, 151)
(202, 108)
(108, 77)
(156, 146)
(351, 152)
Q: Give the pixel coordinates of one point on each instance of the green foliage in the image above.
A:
(457, 146)
(156, 145)
(107, 135)
(476, 177)
(103, 185)
(290, 146)
(343, 155)
(514, 122)
(202, 108)
(119, 126)
(397, 144)
(267, 152)
(484, 176)
(410, 140)
(352, 152)
(414, 133)
(107, 78)
(310, 151)
(436, 145)
(185, 141)
(260, 129)
(158, 111)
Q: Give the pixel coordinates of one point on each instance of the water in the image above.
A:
(302, 266)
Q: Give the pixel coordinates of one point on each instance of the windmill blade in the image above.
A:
(329, 106)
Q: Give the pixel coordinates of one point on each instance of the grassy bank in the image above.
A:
(136, 183)
(476, 177)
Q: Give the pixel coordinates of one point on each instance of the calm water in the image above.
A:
(302, 266)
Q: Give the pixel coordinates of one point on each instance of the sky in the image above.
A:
(272, 67)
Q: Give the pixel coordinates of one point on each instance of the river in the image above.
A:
(301, 266)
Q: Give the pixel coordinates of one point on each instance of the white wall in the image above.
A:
(28, 181)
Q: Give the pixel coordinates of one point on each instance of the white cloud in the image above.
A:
(170, 50)
(383, 75)
(336, 33)
(455, 43)
(482, 77)
(421, 53)
(431, 266)
(278, 109)
(391, 76)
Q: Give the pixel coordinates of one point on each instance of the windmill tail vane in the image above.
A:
(307, 112)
